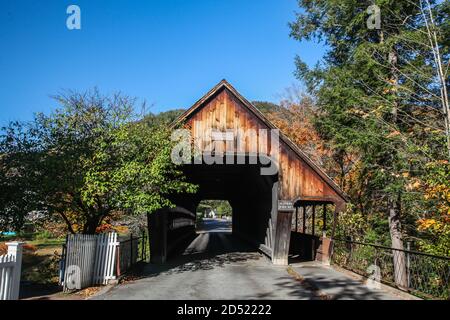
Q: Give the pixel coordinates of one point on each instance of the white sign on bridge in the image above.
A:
(285, 205)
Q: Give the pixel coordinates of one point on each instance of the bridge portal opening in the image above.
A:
(214, 216)
(250, 194)
(214, 209)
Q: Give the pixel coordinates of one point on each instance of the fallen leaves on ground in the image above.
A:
(88, 292)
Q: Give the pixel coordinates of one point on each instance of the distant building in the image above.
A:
(211, 214)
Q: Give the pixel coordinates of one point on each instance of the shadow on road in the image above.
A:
(217, 265)
(214, 246)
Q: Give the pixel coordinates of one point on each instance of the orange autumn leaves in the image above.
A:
(295, 119)
(437, 192)
(295, 122)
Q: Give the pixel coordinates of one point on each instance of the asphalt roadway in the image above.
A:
(217, 265)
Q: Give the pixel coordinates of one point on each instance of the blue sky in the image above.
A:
(167, 52)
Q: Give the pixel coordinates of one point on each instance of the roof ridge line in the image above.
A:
(263, 118)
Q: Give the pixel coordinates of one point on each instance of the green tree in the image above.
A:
(267, 107)
(87, 160)
(378, 95)
(163, 118)
(16, 153)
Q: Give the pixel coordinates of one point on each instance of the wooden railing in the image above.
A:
(131, 251)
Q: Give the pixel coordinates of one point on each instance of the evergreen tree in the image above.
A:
(379, 95)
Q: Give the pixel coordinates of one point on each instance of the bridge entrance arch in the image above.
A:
(237, 154)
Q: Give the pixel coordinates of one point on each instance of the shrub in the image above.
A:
(29, 247)
(43, 235)
(26, 248)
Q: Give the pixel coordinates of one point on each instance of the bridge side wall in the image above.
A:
(169, 230)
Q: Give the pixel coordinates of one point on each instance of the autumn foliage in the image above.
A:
(26, 248)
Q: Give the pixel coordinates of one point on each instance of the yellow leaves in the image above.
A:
(434, 226)
(379, 110)
(121, 229)
(357, 112)
(300, 129)
(425, 224)
(392, 86)
(88, 292)
(413, 185)
(438, 191)
(436, 163)
(392, 81)
(392, 134)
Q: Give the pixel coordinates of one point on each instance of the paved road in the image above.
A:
(341, 286)
(216, 265)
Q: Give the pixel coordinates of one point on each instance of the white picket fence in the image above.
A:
(89, 260)
(10, 268)
(96, 259)
(105, 258)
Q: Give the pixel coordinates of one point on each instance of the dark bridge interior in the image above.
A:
(249, 193)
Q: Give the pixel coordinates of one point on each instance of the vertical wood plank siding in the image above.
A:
(225, 113)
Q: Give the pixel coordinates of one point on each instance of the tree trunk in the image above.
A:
(432, 37)
(399, 259)
(91, 225)
(68, 223)
(393, 59)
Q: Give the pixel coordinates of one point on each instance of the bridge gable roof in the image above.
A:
(183, 118)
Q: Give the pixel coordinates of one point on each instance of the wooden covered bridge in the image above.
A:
(235, 151)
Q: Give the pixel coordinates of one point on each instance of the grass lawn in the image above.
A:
(43, 243)
(42, 265)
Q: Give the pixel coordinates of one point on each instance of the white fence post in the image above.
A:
(10, 268)
(15, 249)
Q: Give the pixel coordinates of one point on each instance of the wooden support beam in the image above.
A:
(313, 230)
(304, 219)
(282, 238)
